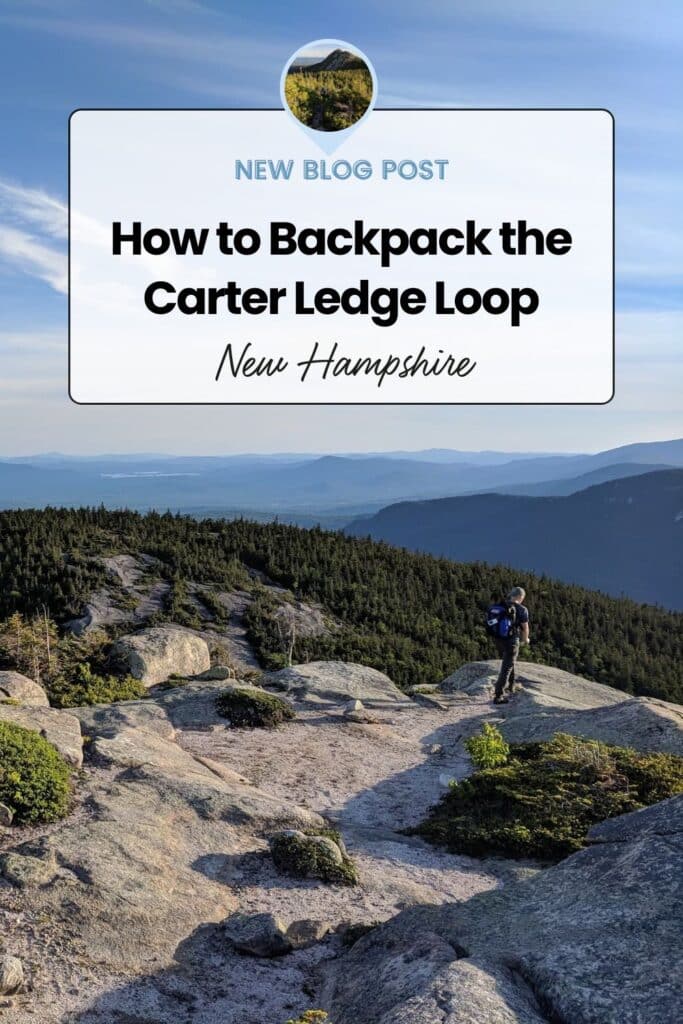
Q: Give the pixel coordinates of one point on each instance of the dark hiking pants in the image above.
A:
(508, 651)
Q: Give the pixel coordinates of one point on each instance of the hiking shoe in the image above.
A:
(501, 700)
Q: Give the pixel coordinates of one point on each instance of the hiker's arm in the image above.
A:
(525, 633)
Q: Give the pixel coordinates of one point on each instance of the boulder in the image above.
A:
(11, 975)
(476, 678)
(154, 654)
(355, 711)
(262, 935)
(479, 678)
(550, 700)
(336, 682)
(61, 729)
(592, 940)
(6, 815)
(14, 686)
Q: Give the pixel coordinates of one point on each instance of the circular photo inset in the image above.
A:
(328, 85)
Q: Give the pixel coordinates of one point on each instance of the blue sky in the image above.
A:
(55, 56)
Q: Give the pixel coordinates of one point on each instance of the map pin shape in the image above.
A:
(318, 59)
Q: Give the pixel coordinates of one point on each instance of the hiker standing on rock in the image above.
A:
(508, 624)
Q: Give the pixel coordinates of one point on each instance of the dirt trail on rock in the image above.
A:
(372, 781)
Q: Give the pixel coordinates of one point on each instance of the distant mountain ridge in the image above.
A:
(337, 60)
(624, 537)
(572, 484)
(308, 485)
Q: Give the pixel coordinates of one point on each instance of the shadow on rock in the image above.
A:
(230, 869)
(591, 940)
(208, 983)
(403, 799)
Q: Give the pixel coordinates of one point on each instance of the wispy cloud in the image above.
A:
(36, 206)
(33, 230)
(229, 49)
(26, 254)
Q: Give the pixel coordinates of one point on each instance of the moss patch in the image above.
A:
(544, 799)
(312, 854)
(253, 709)
(34, 778)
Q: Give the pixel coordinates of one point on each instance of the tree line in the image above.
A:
(413, 616)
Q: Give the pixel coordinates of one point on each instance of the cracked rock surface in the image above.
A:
(118, 913)
(593, 940)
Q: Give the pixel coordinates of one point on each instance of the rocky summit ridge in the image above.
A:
(157, 899)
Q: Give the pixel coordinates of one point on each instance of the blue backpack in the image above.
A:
(500, 620)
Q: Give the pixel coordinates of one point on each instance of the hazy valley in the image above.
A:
(341, 491)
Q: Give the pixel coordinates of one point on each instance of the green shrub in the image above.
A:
(125, 601)
(488, 749)
(253, 709)
(83, 686)
(311, 1017)
(543, 801)
(215, 606)
(179, 606)
(34, 778)
(300, 855)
